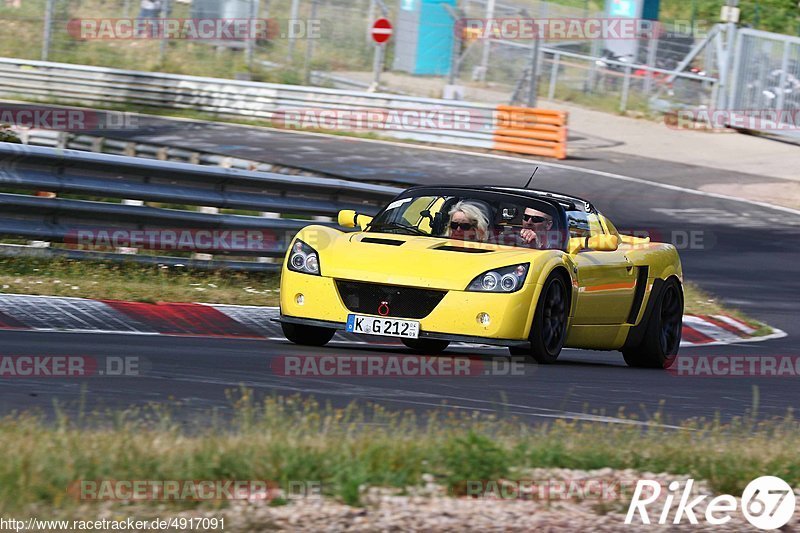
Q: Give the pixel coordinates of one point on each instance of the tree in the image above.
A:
(779, 16)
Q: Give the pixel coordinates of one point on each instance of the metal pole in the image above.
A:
(729, 59)
(626, 87)
(455, 59)
(652, 51)
(726, 96)
(48, 30)
(554, 76)
(377, 67)
(487, 41)
(163, 48)
(533, 86)
(251, 41)
(310, 45)
(370, 21)
(591, 75)
(293, 14)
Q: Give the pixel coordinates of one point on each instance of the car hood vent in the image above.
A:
(463, 249)
(387, 242)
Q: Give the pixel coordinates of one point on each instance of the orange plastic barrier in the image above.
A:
(531, 131)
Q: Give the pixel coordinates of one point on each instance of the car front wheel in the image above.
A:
(549, 329)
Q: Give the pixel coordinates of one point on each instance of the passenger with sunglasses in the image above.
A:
(535, 226)
(468, 222)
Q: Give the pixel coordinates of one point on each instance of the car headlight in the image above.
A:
(506, 279)
(303, 258)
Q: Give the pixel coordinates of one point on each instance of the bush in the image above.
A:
(7, 135)
(474, 457)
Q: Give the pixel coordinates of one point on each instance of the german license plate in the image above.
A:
(389, 327)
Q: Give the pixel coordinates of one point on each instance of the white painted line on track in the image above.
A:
(463, 403)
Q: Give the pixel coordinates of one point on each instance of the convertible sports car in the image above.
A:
(532, 270)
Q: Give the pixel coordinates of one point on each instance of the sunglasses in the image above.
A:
(463, 226)
(534, 218)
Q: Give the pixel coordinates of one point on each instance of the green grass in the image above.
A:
(134, 282)
(700, 302)
(286, 439)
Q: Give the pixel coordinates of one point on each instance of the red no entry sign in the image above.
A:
(381, 30)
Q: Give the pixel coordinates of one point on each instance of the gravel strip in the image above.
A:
(527, 507)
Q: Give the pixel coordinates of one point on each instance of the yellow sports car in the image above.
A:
(532, 270)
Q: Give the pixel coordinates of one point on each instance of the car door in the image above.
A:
(606, 281)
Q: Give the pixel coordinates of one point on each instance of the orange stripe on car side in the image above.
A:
(610, 287)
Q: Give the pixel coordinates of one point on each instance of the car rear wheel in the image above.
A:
(663, 333)
(426, 346)
(307, 335)
(549, 329)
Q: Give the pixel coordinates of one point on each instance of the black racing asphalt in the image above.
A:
(747, 255)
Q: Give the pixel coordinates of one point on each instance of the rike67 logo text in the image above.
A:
(767, 502)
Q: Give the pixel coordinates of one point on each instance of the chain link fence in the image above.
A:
(766, 73)
(327, 42)
(302, 35)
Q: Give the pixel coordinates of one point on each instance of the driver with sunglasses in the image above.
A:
(535, 227)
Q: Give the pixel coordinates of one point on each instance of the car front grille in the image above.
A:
(402, 302)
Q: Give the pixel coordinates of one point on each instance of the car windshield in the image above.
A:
(481, 218)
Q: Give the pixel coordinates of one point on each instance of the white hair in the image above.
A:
(474, 212)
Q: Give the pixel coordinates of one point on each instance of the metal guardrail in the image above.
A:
(280, 201)
(476, 128)
(96, 143)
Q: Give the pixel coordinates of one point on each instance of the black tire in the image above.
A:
(307, 335)
(426, 346)
(662, 337)
(549, 328)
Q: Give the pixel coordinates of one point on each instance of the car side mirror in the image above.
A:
(598, 243)
(348, 218)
